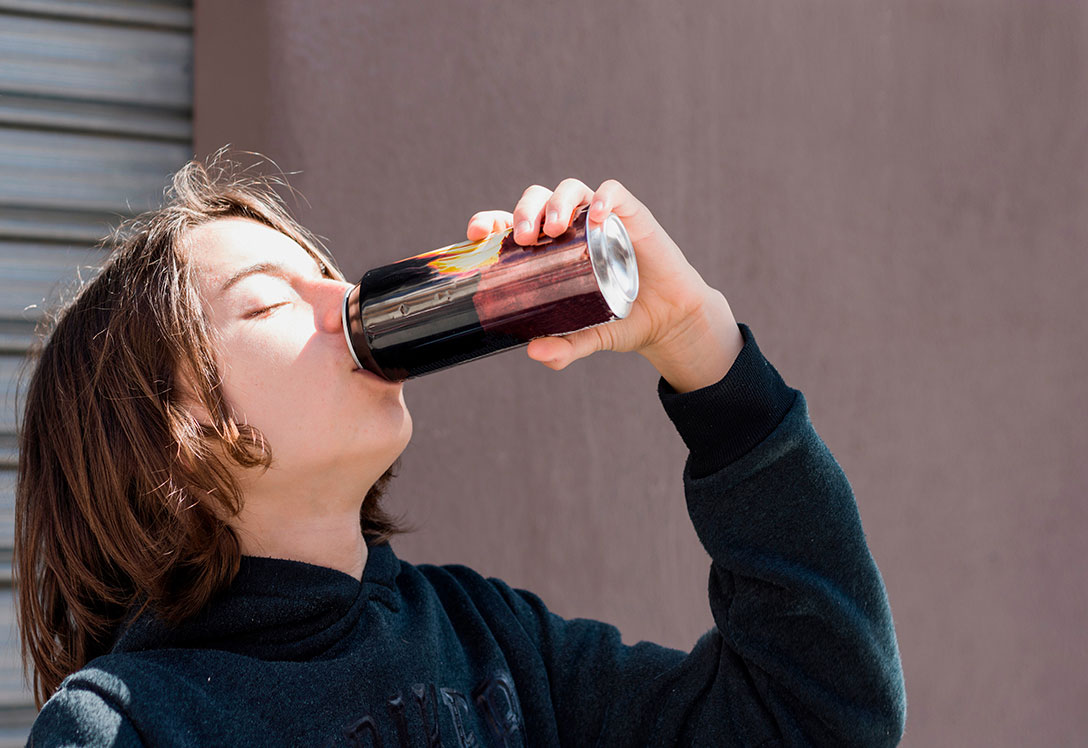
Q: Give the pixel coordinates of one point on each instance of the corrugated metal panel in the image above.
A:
(87, 116)
(170, 14)
(35, 275)
(7, 502)
(54, 224)
(10, 366)
(84, 172)
(11, 679)
(95, 114)
(95, 62)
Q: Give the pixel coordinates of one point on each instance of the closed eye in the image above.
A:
(264, 310)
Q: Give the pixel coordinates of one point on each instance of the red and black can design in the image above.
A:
(474, 299)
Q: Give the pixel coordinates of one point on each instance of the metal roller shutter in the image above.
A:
(95, 113)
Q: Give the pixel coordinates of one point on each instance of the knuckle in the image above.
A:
(603, 338)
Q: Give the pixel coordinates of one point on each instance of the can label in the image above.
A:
(473, 299)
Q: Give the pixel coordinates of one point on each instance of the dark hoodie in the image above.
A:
(803, 651)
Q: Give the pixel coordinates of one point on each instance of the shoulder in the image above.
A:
(466, 596)
(116, 699)
(90, 708)
(452, 581)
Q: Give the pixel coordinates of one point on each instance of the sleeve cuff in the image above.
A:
(723, 421)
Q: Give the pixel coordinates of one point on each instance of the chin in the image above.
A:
(405, 434)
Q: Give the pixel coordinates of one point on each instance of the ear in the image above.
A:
(197, 417)
(198, 412)
(184, 395)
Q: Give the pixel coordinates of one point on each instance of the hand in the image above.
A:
(679, 323)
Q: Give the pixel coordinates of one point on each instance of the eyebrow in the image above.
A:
(266, 268)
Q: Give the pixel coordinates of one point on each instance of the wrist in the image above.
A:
(703, 350)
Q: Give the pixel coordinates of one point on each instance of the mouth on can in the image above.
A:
(347, 328)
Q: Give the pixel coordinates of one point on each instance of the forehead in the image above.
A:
(218, 248)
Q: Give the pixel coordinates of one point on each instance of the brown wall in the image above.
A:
(893, 195)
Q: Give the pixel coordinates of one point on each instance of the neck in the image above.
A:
(319, 528)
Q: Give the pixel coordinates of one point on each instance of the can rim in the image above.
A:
(344, 324)
(619, 296)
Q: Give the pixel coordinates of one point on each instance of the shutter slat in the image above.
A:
(86, 116)
(37, 275)
(10, 368)
(7, 508)
(157, 13)
(94, 62)
(84, 172)
(55, 223)
(12, 691)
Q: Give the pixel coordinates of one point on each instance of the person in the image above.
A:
(203, 551)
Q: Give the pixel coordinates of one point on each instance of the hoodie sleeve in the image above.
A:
(803, 651)
(79, 716)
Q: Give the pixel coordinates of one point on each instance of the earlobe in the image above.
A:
(196, 413)
(199, 413)
(187, 401)
(195, 423)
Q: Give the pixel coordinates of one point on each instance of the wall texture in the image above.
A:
(892, 195)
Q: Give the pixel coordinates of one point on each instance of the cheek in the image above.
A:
(262, 379)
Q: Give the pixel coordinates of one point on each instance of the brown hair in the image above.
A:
(122, 495)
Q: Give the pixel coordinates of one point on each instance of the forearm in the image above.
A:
(794, 589)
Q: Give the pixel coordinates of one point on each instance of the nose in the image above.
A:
(331, 307)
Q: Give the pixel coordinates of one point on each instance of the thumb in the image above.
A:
(558, 352)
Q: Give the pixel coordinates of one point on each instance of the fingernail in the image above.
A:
(598, 206)
(553, 216)
(523, 227)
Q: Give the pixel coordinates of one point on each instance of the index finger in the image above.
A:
(613, 197)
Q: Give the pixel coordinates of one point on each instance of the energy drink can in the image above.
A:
(478, 298)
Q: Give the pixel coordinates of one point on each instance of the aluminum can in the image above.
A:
(462, 302)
